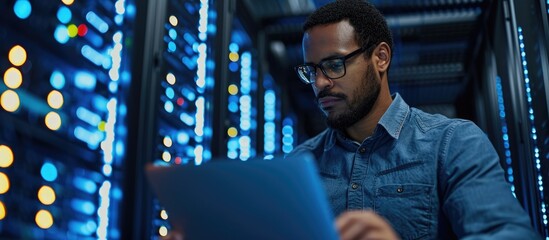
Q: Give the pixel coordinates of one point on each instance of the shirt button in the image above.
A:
(354, 186)
(400, 190)
(362, 150)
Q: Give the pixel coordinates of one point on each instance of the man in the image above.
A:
(392, 171)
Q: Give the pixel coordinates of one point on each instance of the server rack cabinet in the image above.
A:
(242, 96)
(516, 85)
(173, 102)
(198, 91)
(63, 96)
(250, 125)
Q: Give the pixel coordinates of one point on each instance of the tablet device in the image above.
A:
(255, 199)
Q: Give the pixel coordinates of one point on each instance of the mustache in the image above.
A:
(327, 93)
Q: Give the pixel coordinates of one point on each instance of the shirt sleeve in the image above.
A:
(476, 199)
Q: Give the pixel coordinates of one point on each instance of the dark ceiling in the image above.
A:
(435, 43)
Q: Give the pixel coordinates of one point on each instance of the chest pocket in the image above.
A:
(408, 207)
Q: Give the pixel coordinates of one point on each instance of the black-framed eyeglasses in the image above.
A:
(333, 68)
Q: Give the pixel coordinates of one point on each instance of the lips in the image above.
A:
(328, 102)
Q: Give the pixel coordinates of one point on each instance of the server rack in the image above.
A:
(514, 85)
(63, 103)
(200, 96)
(93, 91)
(174, 102)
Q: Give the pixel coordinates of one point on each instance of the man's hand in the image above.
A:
(364, 224)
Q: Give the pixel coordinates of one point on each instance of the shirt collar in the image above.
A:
(392, 121)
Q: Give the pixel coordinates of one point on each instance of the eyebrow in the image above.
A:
(331, 57)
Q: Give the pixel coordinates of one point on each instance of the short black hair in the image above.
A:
(369, 24)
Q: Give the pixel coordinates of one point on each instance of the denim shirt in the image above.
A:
(430, 176)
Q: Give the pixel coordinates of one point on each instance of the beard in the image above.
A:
(359, 104)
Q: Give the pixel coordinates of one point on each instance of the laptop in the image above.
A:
(255, 199)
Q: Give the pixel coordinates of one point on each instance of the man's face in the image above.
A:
(345, 100)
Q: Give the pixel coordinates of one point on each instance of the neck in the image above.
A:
(365, 127)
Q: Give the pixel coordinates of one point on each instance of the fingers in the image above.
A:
(364, 225)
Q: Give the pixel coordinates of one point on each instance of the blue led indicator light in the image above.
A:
(233, 67)
(93, 55)
(48, 172)
(85, 185)
(287, 135)
(57, 80)
(85, 80)
(171, 47)
(64, 14)
(22, 9)
(97, 22)
(168, 106)
(61, 34)
(83, 206)
(233, 47)
(182, 138)
(172, 33)
(533, 136)
(170, 92)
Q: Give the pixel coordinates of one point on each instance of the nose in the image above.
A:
(322, 81)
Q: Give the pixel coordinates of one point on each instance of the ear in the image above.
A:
(382, 57)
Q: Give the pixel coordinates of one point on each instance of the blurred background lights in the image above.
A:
(64, 14)
(57, 80)
(164, 214)
(17, 55)
(48, 172)
(2, 210)
(168, 106)
(68, 2)
(233, 56)
(9, 100)
(233, 47)
(82, 30)
(22, 9)
(53, 121)
(101, 126)
(170, 78)
(173, 20)
(163, 231)
(167, 141)
(83, 206)
(13, 78)
(233, 89)
(85, 185)
(177, 160)
(180, 101)
(233, 66)
(166, 156)
(46, 195)
(55, 99)
(232, 132)
(171, 47)
(85, 80)
(43, 219)
(4, 183)
(182, 138)
(72, 30)
(97, 22)
(6, 156)
(172, 33)
(170, 93)
(61, 34)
